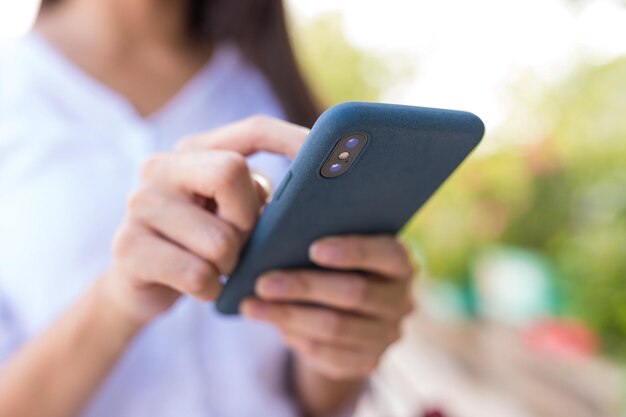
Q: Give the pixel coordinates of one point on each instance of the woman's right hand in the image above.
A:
(187, 221)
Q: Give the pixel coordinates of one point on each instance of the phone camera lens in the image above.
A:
(334, 168)
(344, 154)
(352, 142)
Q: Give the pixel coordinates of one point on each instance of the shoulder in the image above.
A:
(28, 106)
(19, 70)
(30, 125)
(25, 100)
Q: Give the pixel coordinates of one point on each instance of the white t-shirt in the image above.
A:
(70, 153)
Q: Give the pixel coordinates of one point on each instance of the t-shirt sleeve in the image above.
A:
(10, 336)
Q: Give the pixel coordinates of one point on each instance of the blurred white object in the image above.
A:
(513, 286)
(17, 17)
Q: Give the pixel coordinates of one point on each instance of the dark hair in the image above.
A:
(259, 28)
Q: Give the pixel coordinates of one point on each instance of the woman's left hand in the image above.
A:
(339, 323)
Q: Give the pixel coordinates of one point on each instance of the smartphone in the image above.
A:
(365, 168)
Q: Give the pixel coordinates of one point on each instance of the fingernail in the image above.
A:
(256, 310)
(326, 251)
(272, 284)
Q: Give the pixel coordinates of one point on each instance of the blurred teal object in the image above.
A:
(514, 286)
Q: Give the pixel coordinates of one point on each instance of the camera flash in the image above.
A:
(344, 155)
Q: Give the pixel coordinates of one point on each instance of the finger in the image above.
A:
(324, 325)
(150, 259)
(384, 255)
(347, 291)
(335, 362)
(189, 226)
(221, 175)
(254, 134)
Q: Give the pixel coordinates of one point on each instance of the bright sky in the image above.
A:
(467, 53)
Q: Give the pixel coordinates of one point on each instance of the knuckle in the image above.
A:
(410, 306)
(234, 167)
(331, 323)
(369, 366)
(143, 198)
(337, 371)
(153, 165)
(124, 241)
(137, 200)
(393, 334)
(285, 315)
(196, 275)
(409, 268)
(255, 123)
(397, 313)
(224, 240)
(355, 291)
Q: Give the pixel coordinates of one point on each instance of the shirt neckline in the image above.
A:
(90, 96)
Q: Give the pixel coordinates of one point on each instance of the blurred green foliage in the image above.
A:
(562, 195)
(340, 71)
(589, 113)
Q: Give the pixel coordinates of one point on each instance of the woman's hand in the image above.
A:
(184, 227)
(339, 323)
(186, 223)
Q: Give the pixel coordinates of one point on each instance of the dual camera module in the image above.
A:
(343, 155)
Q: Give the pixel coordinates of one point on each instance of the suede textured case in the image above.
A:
(410, 152)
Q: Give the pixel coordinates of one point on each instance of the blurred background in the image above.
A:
(523, 251)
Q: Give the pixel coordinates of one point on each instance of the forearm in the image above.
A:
(320, 396)
(55, 374)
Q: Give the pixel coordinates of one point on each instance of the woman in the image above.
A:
(98, 89)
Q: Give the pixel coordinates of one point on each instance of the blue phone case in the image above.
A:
(410, 151)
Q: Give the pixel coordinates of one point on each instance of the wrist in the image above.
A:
(304, 366)
(321, 395)
(110, 304)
